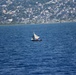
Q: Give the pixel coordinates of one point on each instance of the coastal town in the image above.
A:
(37, 11)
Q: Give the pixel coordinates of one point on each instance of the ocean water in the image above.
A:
(54, 55)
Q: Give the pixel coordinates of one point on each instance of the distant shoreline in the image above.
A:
(19, 24)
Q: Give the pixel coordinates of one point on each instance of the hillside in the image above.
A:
(37, 11)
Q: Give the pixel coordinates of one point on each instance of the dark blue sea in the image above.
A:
(54, 55)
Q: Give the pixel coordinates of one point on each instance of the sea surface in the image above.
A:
(54, 55)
